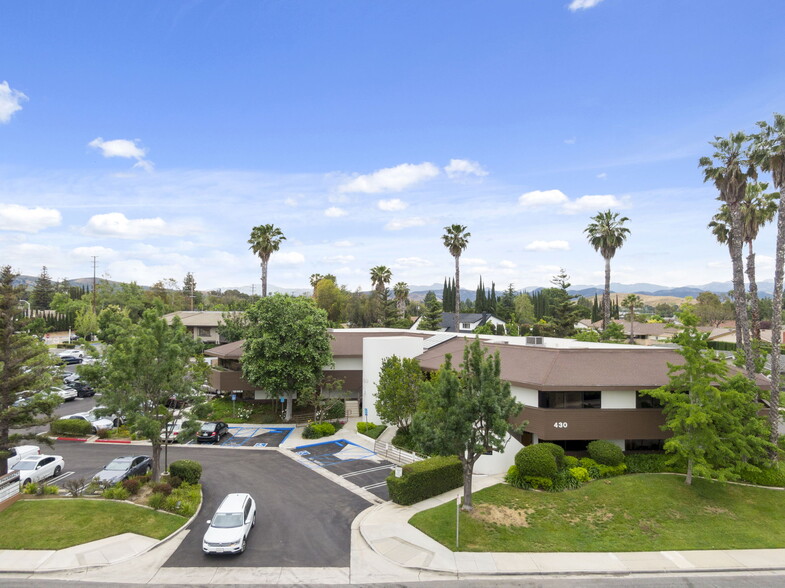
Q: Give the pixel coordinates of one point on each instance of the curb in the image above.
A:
(70, 439)
(112, 441)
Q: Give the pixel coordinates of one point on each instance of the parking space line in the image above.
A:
(374, 486)
(376, 469)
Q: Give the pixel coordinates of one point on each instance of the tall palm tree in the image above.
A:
(401, 292)
(265, 239)
(456, 239)
(757, 209)
(769, 154)
(380, 277)
(729, 168)
(607, 233)
(631, 302)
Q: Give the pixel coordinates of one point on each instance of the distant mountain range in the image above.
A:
(417, 293)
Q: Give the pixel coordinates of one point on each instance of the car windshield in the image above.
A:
(228, 520)
(208, 427)
(118, 465)
(26, 465)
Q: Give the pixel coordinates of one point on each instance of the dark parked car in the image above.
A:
(212, 432)
(69, 359)
(123, 468)
(82, 389)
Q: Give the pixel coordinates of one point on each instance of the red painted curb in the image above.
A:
(112, 441)
(70, 439)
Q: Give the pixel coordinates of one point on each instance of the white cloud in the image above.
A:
(592, 203)
(507, 264)
(338, 259)
(459, 168)
(290, 202)
(393, 204)
(541, 198)
(602, 175)
(10, 102)
(570, 141)
(474, 261)
(343, 244)
(97, 251)
(412, 262)
(14, 217)
(404, 223)
(582, 4)
(125, 149)
(288, 258)
(334, 212)
(115, 224)
(391, 179)
(548, 246)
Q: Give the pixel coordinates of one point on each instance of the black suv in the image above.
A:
(212, 432)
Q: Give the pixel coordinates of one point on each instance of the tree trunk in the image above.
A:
(457, 312)
(776, 320)
(468, 469)
(754, 302)
(688, 479)
(632, 327)
(264, 279)
(739, 293)
(289, 403)
(606, 295)
(156, 461)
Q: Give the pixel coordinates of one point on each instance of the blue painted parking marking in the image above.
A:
(326, 453)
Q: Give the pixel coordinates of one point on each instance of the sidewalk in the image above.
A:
(404, 551)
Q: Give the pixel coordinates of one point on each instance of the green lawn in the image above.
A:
(60, 523)
(645, 512)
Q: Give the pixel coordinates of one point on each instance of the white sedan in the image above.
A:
(65, 393)
(22, 452)
(39, 467)
(98, 423)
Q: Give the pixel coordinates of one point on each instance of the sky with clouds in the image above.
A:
(155, 135)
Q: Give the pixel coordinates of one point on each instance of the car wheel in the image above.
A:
(26, 482)
(95, 430)
(117, 423)
(57, 471)
(242, 549)
(253, 522)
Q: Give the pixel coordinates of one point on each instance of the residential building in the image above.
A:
(467, 322)
(202, 324)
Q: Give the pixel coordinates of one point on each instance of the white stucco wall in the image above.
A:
(498, 462)
(617, 399)
(348, 363)
(527, 396)
(375, 351)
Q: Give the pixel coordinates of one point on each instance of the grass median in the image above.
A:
(61, 523)
(645, 512)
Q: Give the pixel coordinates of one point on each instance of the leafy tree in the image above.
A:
(432, 319)
(729, 168)
(613, 332)
(86, 322)
(43, 291)
(606, 234)
(64, 304)
(524, 309)
(323, 398)
(710, 310)
(113, 321)
(456, 240)
(286, 347)
(148, 363)
(233, 326)
(265, 239)
(466, 413)
(769, 154)
(25, 369)
(564, 311)
(714, 420)
(314, 281)
(332, 299)
(400, 381)
(631, 302)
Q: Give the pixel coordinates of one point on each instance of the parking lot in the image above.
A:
(254, 436)
(356, 464)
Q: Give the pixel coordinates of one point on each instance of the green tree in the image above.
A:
(233, 326)
(113, 321)
(606, 234)
(710, 310)
(466, 412)
(148, 363)
(286, 347)
(432, 318)
(314, 281)
(505, 308)
(631, 302)
(43, 291)
(380, 277)
(400, 381)
(265, 239)
(332, 299)
(190, 292)
(769, 154)
(25, 375)
(613, 332)
(401, 293)
(86, 322)
(564, 310)
(729, 168)
(715, 422)
(456, 240)
(524, 309)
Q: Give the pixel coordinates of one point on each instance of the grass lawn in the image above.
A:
(60, 523)
(644, 512)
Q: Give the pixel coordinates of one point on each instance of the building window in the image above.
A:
(643, 400)
(204, 331)
(569, 400)
(466, 326)
(644, 444)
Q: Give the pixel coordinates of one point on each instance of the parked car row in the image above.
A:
(37, 468)
(122, 468)
(99, 423)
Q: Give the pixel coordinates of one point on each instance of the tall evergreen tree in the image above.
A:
(43, 291)
(432, 318)
(564, 310)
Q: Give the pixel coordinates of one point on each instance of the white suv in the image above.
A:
(229, 528)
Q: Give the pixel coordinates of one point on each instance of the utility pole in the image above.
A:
(94, 264)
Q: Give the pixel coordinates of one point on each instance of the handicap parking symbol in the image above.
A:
(260, 444)
(303, 453)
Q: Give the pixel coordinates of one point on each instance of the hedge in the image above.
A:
(606, 453)
(187, 470)
(423, 479)
(71, 427)
(557, 452)
(536, 460)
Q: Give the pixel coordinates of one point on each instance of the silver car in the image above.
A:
(229, 527)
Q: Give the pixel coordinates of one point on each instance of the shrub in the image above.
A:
(565, 480)
(606, 453)
(183, 500)
(570, 461)
(103, 433)
(423, 479)
(536, 461)
(173, 481)
(764, 476)
(376, 431)
(156, 501)
(30, 488)
(71, 427)
(202, 410)
(318, 430)
(187, 470)
(162, 488)
(49, 489)
(132, 485)
(336, 411)
(362, 426)
(580, 474)
(116, 492)
(403, 440)
(75, 487)
(537, 482)
(606, 471)
(557, 452)
(512, 477)
(515, 478)
(651, 463)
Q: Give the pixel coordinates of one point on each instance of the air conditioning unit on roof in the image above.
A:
(534, 341)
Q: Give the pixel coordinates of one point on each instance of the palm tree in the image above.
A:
(631, 302)
(769, 154)
(380, 277)
(401, 292)
(456, 239)
(315, 279)
(757, 209)
(729, 168)
(607, 233)
(264, 240)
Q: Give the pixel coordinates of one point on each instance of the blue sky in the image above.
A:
(155, 135)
